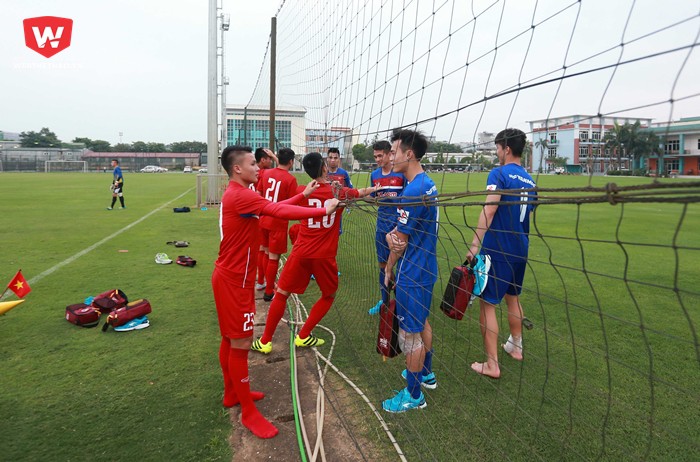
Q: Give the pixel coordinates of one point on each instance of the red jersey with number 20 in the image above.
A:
(318, 237)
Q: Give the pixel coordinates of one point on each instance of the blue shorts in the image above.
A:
(504, 278)
(413, 306)
(382, 247)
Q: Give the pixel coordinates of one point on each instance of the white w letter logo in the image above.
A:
(47, 34)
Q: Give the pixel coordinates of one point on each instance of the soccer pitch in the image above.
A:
(610, 371)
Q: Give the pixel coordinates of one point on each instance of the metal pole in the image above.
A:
(224, 128)
(245, 126)
(212, 138)
(273, 79)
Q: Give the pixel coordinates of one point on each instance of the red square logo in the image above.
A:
(48, 35)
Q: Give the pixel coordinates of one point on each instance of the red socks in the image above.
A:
(318, 311)
(230, 396)
(262, 266)
(250, 416)
(274, 315)
(271, 275)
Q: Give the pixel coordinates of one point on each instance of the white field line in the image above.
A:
(72, 258)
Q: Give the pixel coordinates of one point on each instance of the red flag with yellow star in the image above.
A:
(19, 285)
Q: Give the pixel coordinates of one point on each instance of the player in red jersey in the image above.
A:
(263, 158)
(314, 251)
(275, 185)
(234, 275)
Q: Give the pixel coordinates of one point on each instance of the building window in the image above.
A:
(698, 143)
(553, 138)
(673, 145)
(583, 151)
(583, 136)
(671, 164)
(552, 152)
(595, 136)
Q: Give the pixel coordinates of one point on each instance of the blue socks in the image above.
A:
(413, 383)
(428, 363)
(382, 287)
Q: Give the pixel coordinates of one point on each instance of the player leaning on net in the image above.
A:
(412, 246)
(117, 185)
(502, 233)
(275, 185)
(313, 252)
(263, 159)
(389, 186)
(234, 275)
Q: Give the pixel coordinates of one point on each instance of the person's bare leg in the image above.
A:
(489, 331)
(514, 345)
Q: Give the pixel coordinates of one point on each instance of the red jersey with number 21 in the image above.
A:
(318, 237)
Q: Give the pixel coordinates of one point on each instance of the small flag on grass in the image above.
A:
(19, 285)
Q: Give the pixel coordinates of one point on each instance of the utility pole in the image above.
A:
(212, 138)
(273, 79)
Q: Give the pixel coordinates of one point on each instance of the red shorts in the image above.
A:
(235, 307)
(297, 274)
(274, 240)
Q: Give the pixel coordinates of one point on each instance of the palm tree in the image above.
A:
(615, 140)
(542, 144)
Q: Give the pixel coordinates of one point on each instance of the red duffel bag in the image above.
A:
(121, 316)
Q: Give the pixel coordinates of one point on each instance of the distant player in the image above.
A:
(117, 185)
(389, 186)
(314, 251)
(275, 185)
(234, 275)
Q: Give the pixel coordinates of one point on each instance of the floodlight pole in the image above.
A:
(273, 78)
(212, 113)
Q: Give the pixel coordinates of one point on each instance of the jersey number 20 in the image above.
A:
(326, 221)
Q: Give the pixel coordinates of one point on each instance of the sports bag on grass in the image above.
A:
(458, 291)
(121, 316)
(388, 339)
(83, 315)
(110, 300)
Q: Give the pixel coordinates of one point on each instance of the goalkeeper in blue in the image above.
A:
(412, 244)
(502, 235)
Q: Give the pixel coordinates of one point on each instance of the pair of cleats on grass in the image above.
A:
(266, 348)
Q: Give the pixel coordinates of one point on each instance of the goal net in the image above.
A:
(51, 166)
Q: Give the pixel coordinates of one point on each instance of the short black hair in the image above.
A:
(116, 160)
(233, 155)
(513, 138)
(260, 154)
(285, 156)
(382, 145)
(336, 150)
(411, 139)
(313, 165)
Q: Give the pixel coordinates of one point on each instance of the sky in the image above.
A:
(133, 66)
(137, 70)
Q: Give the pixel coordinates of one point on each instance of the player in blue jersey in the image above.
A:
(413, 244)
(335, 173)
(502, 234)
(117, 187)
(390, 185)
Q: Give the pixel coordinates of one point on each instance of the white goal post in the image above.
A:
(51, 166)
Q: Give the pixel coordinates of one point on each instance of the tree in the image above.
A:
(526, 155)
(363, 153)
(443, 147)
(44, 139)
(155, 147)
(452, 160)
(542, 144)
(632, 141)
(94, 145)
(122, 147)
(139, 146)
(188, 146)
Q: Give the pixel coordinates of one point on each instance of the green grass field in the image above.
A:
(611, 366)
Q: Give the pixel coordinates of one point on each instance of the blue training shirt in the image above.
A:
(507, 238)
(118, 174)
(418, 265)
(392, 185)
